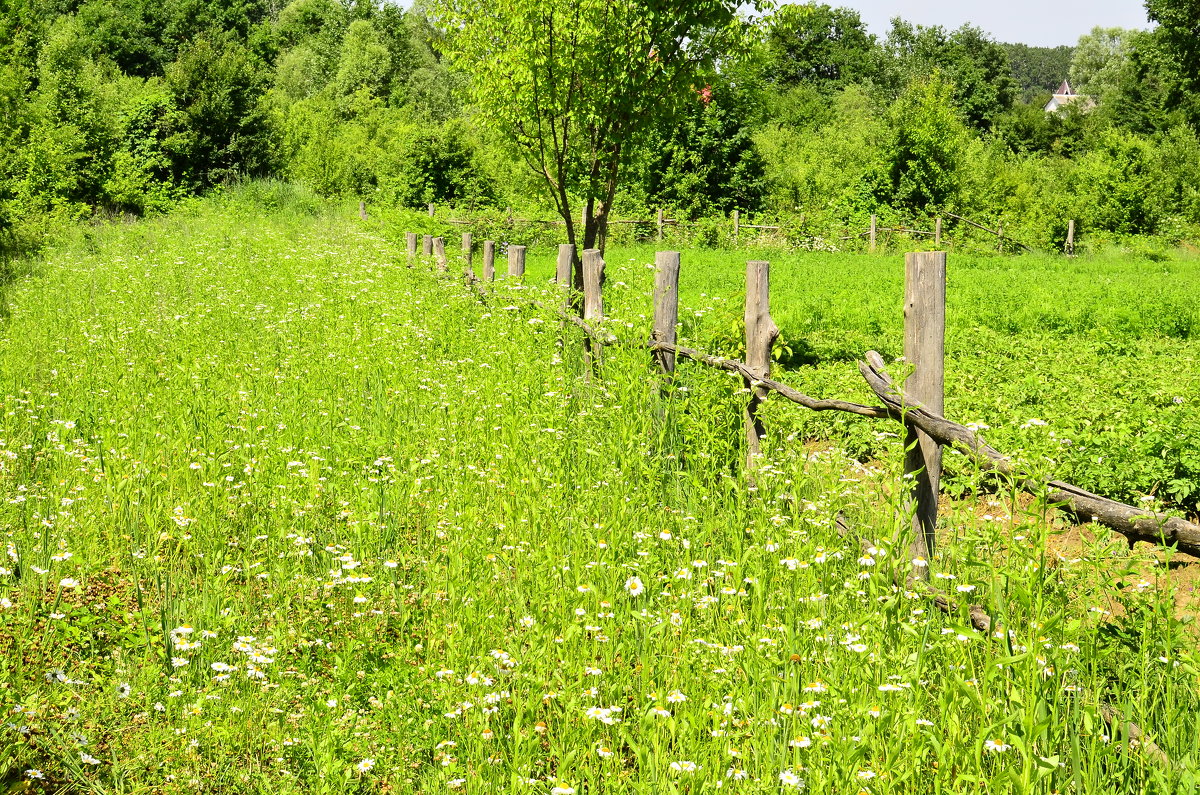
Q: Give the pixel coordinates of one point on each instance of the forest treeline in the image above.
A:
(112, 106)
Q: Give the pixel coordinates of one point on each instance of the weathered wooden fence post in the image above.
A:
(439, 253)
(761, 332)
(362, 210)
(432, 209)
(999, 238)
(874, 228)
(410, 246)
(937, 233)
(516, 261)
(666, 307)
(737, 226)
(1070, 249)
(660, 224)
(489, 260)
(924, 349)
(562, 269)
(467, 243)
(427, 245)
(593, 301)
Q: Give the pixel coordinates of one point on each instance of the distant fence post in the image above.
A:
(924, 349)
(410, 246)
(660, 224)
(937, 233)
(362, 210)
(516, 261)
(737, 226)
(1070, 249)
(874, 228)
(562, 269)
(489, 260)
(467, 243)
(593, 299)
(439, 252)
(666, 307)
(432, 209)
(761, 332)
(427, 245)
(999, 238)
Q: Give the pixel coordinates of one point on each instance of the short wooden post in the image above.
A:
(1000, 238)
(761, 333)
(924, 350)
(666, 307)
(489, 260)
(874, 229)
(737, 226)
(427, 245)
(562, 269)
(439, 254)
(432, 209)
(593, 300)
(362, 210)
(660, 224)
(1070, 249)
(467, 243)
(937, 233)
(410, 246)
(516, 261)
(508, 213)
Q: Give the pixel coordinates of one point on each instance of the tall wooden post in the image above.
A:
(874, 227)
(432, 209)
(660, 224)
(362, 210)
(427, 245)
(937, 233)
(516, 262)
(593, 299)
(924, 349)
(410, 247)
(737, 226)
(489, 260)
(1070, 249)
(439, 254)
(467, 243)
(666, 307)
(761, 332)
(562, 268)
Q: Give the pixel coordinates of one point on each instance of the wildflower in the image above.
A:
(800, 742)
(660, 712)
(562, 789)
(123, 690)
(68, 582)
(456, 783)
(88, 759)
(604, 752)
(924, 722)
(527, 622)
(996, 746)
(789, 779)
(33, 773)
(821, 721)
(676, 697)
(360, 599)
(634, 586)
(684, 766)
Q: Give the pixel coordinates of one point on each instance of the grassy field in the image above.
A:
(284, 515)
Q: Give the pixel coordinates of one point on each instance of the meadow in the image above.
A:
(282, 514)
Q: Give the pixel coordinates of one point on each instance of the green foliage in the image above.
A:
(1038, 70)
(924, 156)
(817, 45)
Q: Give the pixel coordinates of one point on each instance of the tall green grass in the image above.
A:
(285, 515)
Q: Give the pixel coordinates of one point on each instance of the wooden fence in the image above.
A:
(872, 233)
(917, 404)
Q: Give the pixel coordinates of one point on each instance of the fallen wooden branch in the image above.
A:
(1000, 235)
(1136, 524)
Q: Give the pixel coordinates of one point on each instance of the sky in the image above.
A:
(1045, 23)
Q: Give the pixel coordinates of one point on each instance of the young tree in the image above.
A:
(575, 83)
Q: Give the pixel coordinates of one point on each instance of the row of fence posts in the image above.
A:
(924, 345)
(872, 232)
